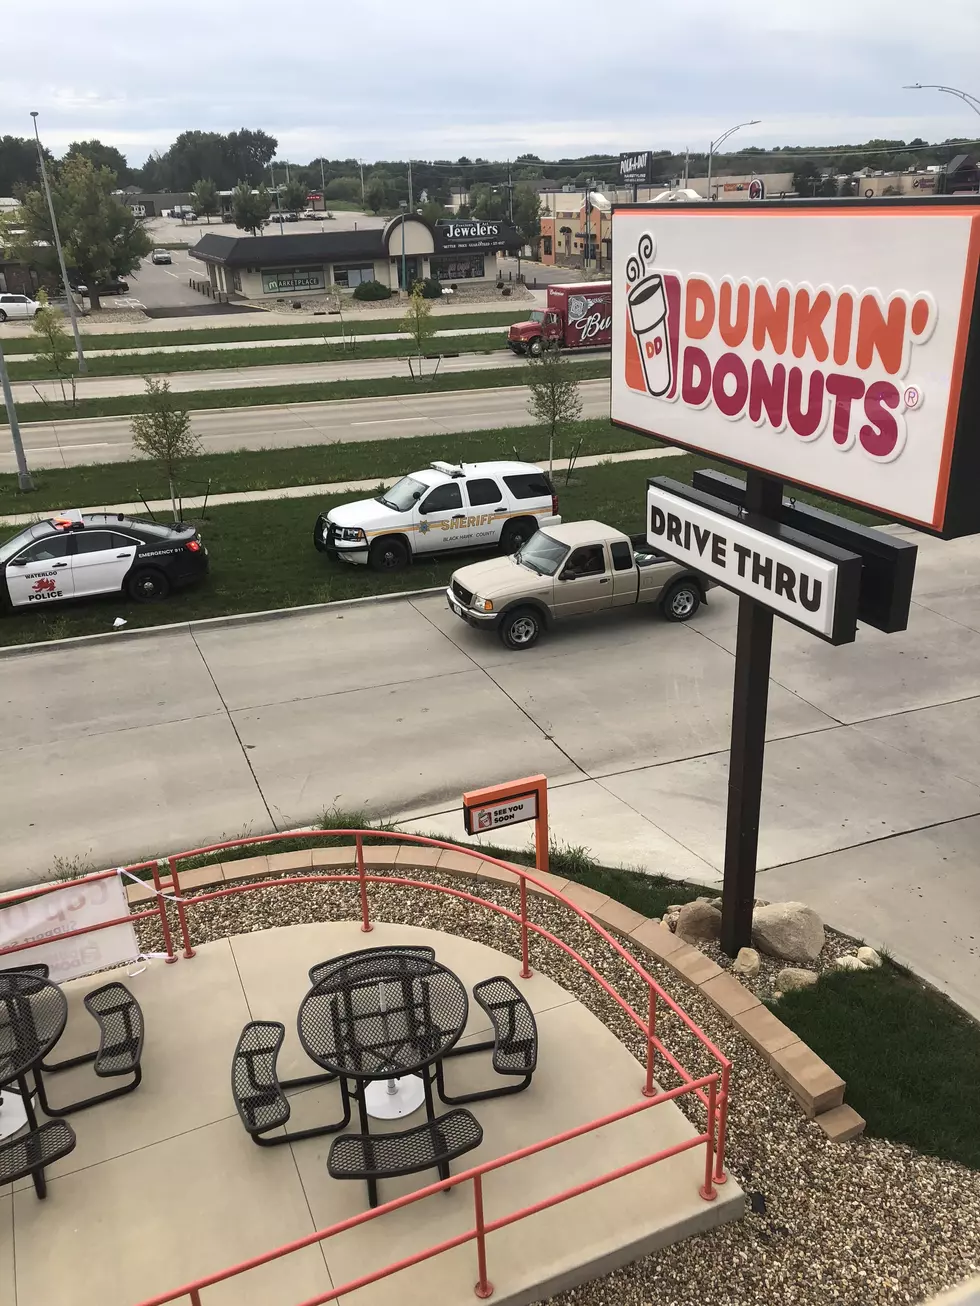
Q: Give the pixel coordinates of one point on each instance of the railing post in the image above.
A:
(181, 910)
(366, 926)
(168, 942)
(526, 971)
(708, 1190)
(483, 1288)
(648, 1088)
(720, 1176)
(195, 1297)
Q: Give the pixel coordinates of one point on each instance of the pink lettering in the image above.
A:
(880, 436)
(695, 377)
(804, 423)
(731, 404)
(844, 389)
(768, 392)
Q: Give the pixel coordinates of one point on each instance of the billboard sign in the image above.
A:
(636, 169)
(827, 345)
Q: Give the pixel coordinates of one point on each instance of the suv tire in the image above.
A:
(389, 554)
(681, 601)
(521, 628)
(517, 533)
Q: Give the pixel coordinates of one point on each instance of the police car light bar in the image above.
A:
(447, 469)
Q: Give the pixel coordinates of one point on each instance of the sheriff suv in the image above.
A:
(446, 507)
(82, 555)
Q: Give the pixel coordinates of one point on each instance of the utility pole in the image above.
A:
(411, 198)
(323, 186)
(82, 365)
(276, 193)
(361, 163)
(24, 480)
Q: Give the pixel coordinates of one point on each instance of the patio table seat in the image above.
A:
(258, 1092)
(431, 1145)
(120, 1051)
(514, 1043)
(28, 1154)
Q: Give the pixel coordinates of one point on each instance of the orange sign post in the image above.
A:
(486, 810)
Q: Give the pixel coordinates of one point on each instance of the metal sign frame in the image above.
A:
(536, 786)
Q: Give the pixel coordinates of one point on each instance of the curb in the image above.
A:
(817, 1088)
(230, 619)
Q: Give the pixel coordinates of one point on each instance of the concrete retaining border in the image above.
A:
(815, 1085)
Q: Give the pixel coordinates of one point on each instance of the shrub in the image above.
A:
(432, 288)
(372, 290)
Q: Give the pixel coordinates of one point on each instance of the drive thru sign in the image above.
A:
(486, 810)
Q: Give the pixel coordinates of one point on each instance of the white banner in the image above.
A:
(510, 812)
(55, 914)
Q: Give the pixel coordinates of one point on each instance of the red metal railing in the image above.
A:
(712, 1090)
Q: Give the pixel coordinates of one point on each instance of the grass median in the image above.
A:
(262, 557)
(329, 350)
(307, 392)
(315, 464)
(274, 328)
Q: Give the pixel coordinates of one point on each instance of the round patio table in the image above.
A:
(384, 1021)
(33, 1014)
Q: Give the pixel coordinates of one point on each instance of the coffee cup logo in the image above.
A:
(649, 312)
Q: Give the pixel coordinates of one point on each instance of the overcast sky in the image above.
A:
(440, 78)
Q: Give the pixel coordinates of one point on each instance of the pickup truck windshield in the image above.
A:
(543, 554)
(402, 494)
(537, 316)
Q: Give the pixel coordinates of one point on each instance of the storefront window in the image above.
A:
(353, 274)
(457, 267)
(279, 280)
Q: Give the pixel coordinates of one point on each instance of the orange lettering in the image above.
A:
(733, 332)
(700, 314)
(886, 335)
(771, 319)
(842, 328)
(808, 320)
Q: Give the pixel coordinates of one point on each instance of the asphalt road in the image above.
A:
(164, 285)
(118, 749)
(109, 439)
(242, 378)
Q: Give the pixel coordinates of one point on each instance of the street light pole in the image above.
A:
(965, 96)
(713, 145)
(24, 479)
(82, 365)
(323, 187)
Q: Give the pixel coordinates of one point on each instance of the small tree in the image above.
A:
(375, 196)
(418, 321)
(249, 209)
(53, 347)
(554, 399)
(292, 196)
(206, 199)
(162, 431)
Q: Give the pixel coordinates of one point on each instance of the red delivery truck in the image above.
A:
(578, 316)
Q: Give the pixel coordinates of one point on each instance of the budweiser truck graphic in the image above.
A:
(578, 316)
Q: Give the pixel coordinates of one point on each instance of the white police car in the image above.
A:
(446, 507)
(75, 555)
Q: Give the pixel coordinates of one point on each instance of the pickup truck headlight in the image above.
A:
(350, 534)
(482, 605)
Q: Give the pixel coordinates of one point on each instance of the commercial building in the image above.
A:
(407, 249)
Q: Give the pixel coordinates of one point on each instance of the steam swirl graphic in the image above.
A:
(637, 264)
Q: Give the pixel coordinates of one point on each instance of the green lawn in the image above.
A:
(275, 327)
(317, 464)
(911, 1059)
(262, 556)
(308, 392)
(332, 351)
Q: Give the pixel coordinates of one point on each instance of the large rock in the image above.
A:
(747, 963)
(869, 957)
(849, 962)
(790, 978)
(791, 931)
(698, 922)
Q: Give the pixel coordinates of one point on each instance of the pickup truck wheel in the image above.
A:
(517, 533)
(389, 554)
(520, 629)
(681, 601)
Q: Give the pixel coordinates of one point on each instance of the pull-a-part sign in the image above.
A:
(834, 346)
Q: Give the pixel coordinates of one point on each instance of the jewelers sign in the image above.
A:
(828, 345)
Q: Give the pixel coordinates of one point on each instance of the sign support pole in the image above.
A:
(753, 648)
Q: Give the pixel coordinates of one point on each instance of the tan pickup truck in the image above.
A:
(569, 571)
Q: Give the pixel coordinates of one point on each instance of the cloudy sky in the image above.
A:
(440, 78)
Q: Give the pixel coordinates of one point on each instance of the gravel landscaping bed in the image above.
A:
(867, 1223)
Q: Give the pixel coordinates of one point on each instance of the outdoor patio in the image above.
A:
(165, 1186)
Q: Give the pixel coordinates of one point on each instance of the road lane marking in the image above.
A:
(383, 421)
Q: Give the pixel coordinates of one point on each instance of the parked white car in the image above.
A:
(17, 306)
(443, 508)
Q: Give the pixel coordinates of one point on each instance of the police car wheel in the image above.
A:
(682, 601)
(516, 534)
(147, 585)
(520, 629)
(389, 554)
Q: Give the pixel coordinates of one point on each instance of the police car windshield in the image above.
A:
(403, 494)
(543, 554)
(14, 545)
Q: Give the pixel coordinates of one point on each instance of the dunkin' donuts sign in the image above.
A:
(827, 346)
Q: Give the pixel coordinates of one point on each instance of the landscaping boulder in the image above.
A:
(698, 922)
(791, 978)
(791, 931)
(747, 963)
(869, 957)
(849, 962)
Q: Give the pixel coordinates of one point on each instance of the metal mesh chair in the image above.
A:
(28, 1154)
(323, 968)
(39, 968)
(258, 1092)
(429, 1146)
(514, 1043)
(120, 1050)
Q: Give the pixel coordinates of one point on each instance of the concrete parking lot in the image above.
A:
(119, 749)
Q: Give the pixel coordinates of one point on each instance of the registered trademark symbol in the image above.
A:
(912, 396)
